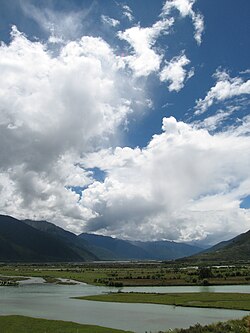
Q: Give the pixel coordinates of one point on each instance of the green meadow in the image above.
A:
(234, 301)
(21, 324)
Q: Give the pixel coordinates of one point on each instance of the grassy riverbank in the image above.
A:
(21, 324)
(234, 301)
(231, 326)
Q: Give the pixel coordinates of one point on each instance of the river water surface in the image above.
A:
(36, 299)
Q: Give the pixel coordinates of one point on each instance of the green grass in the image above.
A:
(231, 326)
(21, 324)
(234, 301)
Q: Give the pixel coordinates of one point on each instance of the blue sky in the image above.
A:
(127, 117)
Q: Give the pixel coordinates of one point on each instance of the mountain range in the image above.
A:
(135, 250)
(42, 241)
(19, 241)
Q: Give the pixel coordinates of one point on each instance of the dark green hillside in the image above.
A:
(236, 249)
(79, 245)
(21, 242)
(43, 241)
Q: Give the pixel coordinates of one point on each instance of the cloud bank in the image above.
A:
(54, 109)
(184, 185)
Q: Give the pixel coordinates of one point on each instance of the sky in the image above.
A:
(127, 118)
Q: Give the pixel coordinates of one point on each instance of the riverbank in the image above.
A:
(9, 281)
(22, 324)
(232, 301)
(231, 326)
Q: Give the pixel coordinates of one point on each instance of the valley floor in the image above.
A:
(134, 273)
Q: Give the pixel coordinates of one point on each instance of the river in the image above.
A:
(36, 299)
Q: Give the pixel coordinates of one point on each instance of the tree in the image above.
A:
(205, 273)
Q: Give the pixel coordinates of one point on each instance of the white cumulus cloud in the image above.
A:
(174, 72)
(186, 184)
(54, 109)
(145, 59)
